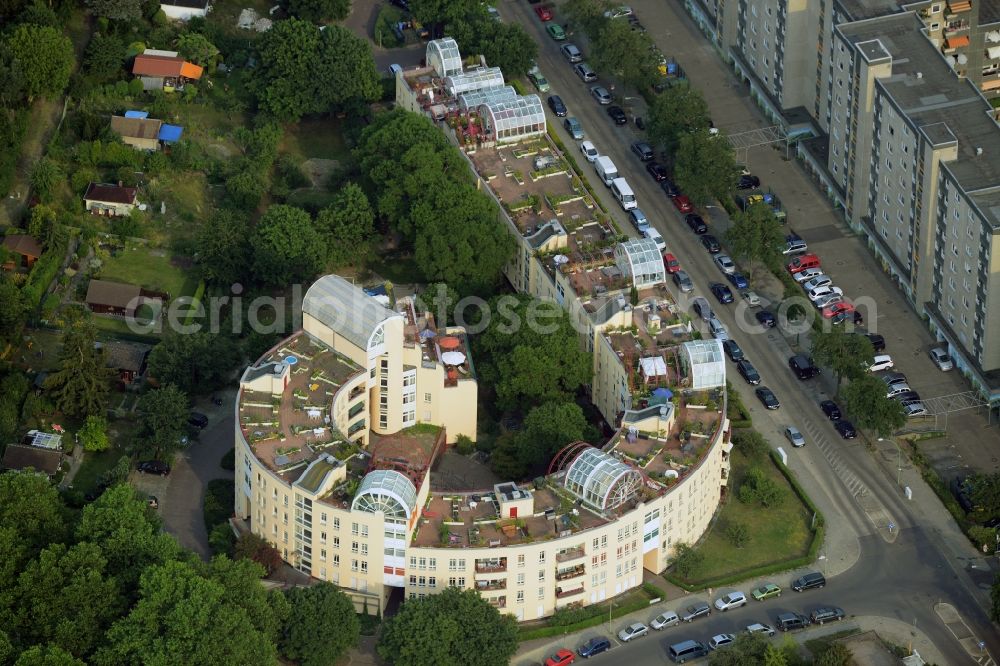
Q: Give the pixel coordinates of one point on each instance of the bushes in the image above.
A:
(218, 502)
(751, 443)
(229, 460)
(43, 272)
(591, 616)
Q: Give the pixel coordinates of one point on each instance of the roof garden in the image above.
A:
(449, 347)
(289, 430)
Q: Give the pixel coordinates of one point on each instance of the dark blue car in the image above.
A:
(766, 319)
(722, 292)
(595, 645)
(738, 280)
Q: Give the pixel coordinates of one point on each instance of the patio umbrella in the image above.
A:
(427, 333)
(449, 342)
(453, 358)
(663, 393)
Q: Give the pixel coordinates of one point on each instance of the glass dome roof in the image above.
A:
(387, 491)
(602, 481)
(705, 363)
(640, 259)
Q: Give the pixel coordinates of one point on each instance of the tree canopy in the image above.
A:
(321, 626)
(81, 384)
(347, 226)
(224, 248)
(675, 112)
(303, 70)
(444, 629)
(319, 10)
(847, 354)
(705, 167)
(755, 237)
(164, 414)
(42, 56)
(286, 246)
(117, 10)
(196, 363)
(866, 402)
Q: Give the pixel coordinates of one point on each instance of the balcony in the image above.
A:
(356, 391)
(570, 554)
(494, 565)
(563, 594)
(498, 602)
(487, 585)
(572, 572)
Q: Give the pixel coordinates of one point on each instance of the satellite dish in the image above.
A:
(962, 59)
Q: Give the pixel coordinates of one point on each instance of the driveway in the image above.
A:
(182, 494)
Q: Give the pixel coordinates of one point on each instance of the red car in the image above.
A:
(831, 311)
(561, 658)
(670, 261)
(544, 13)
(683, 204)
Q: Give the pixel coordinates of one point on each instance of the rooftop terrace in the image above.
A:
(449, 347)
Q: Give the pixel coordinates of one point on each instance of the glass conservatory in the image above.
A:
(386, 491)
(444, 57)
(704, 363)
(515, 119)
(640, 259)
(477, 79)
(602, 481)
(472, 100)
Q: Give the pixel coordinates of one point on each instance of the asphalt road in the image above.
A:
(902, 572)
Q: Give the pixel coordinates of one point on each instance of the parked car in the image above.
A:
(721, 292)
(793, 435)
(638, 219)
(584, 71)
(766, 318)
(665, 620)
(669, 188)
(600, 93)
(730, 601)
(710, 243)
(696, 610)
(907, 397)
(808, 274)
(878, 342)
(724, 263)
(733, 350)
(544, 12)
(717, 329)
(803, 367)
(197, 420)
(562, 657)
(813, 580)
(897, 389)
(748, 372)
(752, 299)
(574, 128)
(657, 171)
(766, 591)
(790, 621)
(747, 182)
(679, 653)
(618, 12)
(702, 308)
(683, 204)
(696, 223)
(571, 52)
(794, 244)
(941, 359)
(538, 79)
(617, 115)
(767, 398)
(642, 150)
(826, 301)
(817, 293)
(738, 280)
(555, 31)
(720, 640)
(821, 280)
(845, 428)
(589, 151)
(635, 630)
(760, 628)
(153, 467)
(683, 282)
(880, 362)
(837, 310)
(670, 263)
(891, 378)
(827, 614)
(594, 646)
(831, 409)
(557, 106)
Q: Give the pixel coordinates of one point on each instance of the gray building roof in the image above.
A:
(925, 89)
(346, 309)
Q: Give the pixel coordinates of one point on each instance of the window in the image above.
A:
(354, 529)
(421, 582)
(413, 581)
(364, 549)
(336, 523)
(432, 581)
(541, 576)
(541, 593)
(520, 596)
(461, 581)
(322, 554)
(354, 547)
(427, 397)
(541, 557)
(364, 566)
(354, 565)
(520, 560)
(520, 579)
(452, 582)
(432, 563)
(364, 530)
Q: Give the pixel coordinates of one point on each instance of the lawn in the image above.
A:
(93, 467)
(397, 267)
(319, 137)
(187, 204)
(150, 268)
(778, 533)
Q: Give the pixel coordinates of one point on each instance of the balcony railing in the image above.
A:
(562, 594)
(572, 572)
(486, 585)
(498, 602)
(570, 554)
(491, 566)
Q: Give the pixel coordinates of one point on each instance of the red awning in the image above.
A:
(957, 42)
(959, 6)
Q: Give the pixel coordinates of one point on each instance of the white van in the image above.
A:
(606, 169)
(620, 188)
(654, 235)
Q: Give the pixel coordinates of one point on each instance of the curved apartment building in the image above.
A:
(338, 427)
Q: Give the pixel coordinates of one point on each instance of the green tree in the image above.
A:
(738, 534)
(984, 491)
(245, 188)
(258, 549)
(321, 626)
(751, 443)
(318, 11)
(164, 414)
(865, 401)
(267, 609)
(755, 237)
(626, 53)
(686, 560)
(506, 45)
(42, 224)
(65, 598)
(44, 57)
(674, 113)
(93, 435)
(197, 48)
(746, 650)
(104, 58)
(130, 538)
(531, 354)
(705, 168)
(837, 654)
(116, 10)
(196, 363)
(995, 599)
(442, 629)
(224, 248)
(303, 70)
(758, 488)
(546, 429)
(847, 354)
(81, 384)
(49, 655)
(30, 508)
(183, 617)
(45, 177)
(286, 246)
(12, 308)
(347, 225)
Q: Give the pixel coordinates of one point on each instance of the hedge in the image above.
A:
(528, 634)
(44, 272)
(819, 533)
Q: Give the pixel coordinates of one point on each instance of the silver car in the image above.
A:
(584, 71)
(717, 329)
(601, 94)
(665, 620)
(941, 359)
(793, 435)
(683, 282)
(571, 52)
(632, 631)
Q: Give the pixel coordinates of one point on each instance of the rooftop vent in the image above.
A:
(979, 150)
(920, 75)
